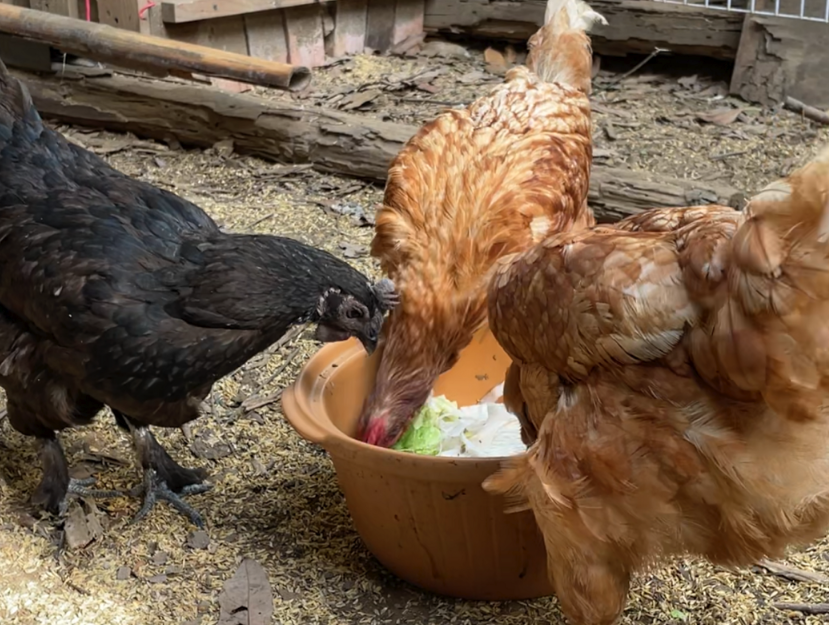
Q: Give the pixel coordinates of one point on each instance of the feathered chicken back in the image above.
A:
(672, 370)
(469, 187)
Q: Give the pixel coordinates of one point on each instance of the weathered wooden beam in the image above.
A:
(331, 141)
(156, 55)
(782, 58)
(634, 26)
(28, 55)
(180, 11)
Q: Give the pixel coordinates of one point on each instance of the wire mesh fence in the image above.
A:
(809, 10)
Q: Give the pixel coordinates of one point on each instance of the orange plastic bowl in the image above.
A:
(426, 519)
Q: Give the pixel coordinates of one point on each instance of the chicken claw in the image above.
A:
(164, 478)
(155, 489)
(57, 487)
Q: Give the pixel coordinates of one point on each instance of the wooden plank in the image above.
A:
(327, 17)
(408, 19)
(227, 33)
(19, 3)
(350, 27)
(266, 36)
(69, 8)
(332, 141)
(303, 29)
(153, 24)
(180, 11)
(28, 55)
(380, 24)
(634, 26)
(146, 53)
(121, 13)
(780, 58)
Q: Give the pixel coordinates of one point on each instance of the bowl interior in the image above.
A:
(481, 366)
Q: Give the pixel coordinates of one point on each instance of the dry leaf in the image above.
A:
(246, 598)
(78, 532)
(688, 81)
(720, 117)
(444, 49)
(198, 540)
(352, 250)
(495, 61)
(472, 77)
(358, 99)
(510, 55)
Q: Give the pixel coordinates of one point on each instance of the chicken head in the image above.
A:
(342, 315)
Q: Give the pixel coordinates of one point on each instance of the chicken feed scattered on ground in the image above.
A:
(276, 499)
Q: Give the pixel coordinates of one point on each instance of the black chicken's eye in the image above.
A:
(354, 313)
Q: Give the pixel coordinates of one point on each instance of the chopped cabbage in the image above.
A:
(441, 428)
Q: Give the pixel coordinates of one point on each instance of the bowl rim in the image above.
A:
(313, 376)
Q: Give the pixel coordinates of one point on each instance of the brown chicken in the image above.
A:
(672, 372)
(469, 187)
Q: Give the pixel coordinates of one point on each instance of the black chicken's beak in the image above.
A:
(371, 333)
(369, 341)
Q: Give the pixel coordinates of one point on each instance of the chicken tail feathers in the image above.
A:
(772, 330)
(560, 50)
(17, 111)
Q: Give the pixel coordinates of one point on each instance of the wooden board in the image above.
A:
(121, 13)
(180, 11)
(350, 27)
(380, 24)
(781, 58)
(266, 36)
(226, 33)
(332, 141)
(634, 26)
(303, 29)
(408, 19)
(69, 8)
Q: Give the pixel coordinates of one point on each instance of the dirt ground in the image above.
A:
(275, 498)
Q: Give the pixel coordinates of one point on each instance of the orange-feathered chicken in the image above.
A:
(672, 372)
(469, 187)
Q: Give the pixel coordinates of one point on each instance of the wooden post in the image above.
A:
(266, 36)
(350, 27)
(380, 24)
(303, 28)
(408, 19)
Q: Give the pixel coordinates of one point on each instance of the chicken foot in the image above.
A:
(164, 479)
(57, 486)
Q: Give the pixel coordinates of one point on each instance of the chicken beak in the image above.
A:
(371, 334)
(369, 343)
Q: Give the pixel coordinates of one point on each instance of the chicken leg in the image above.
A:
(56, 487)
(164, 479)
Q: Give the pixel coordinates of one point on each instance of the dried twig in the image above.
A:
(259, 221)
(792, 573)
(804, 608)
(809, 112)
(638, 66)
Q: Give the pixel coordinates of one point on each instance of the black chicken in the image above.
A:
(114, 292)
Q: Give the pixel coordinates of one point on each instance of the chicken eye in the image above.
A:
(354, 313)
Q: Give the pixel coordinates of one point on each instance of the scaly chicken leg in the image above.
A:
(164, 478)
(56, 487)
